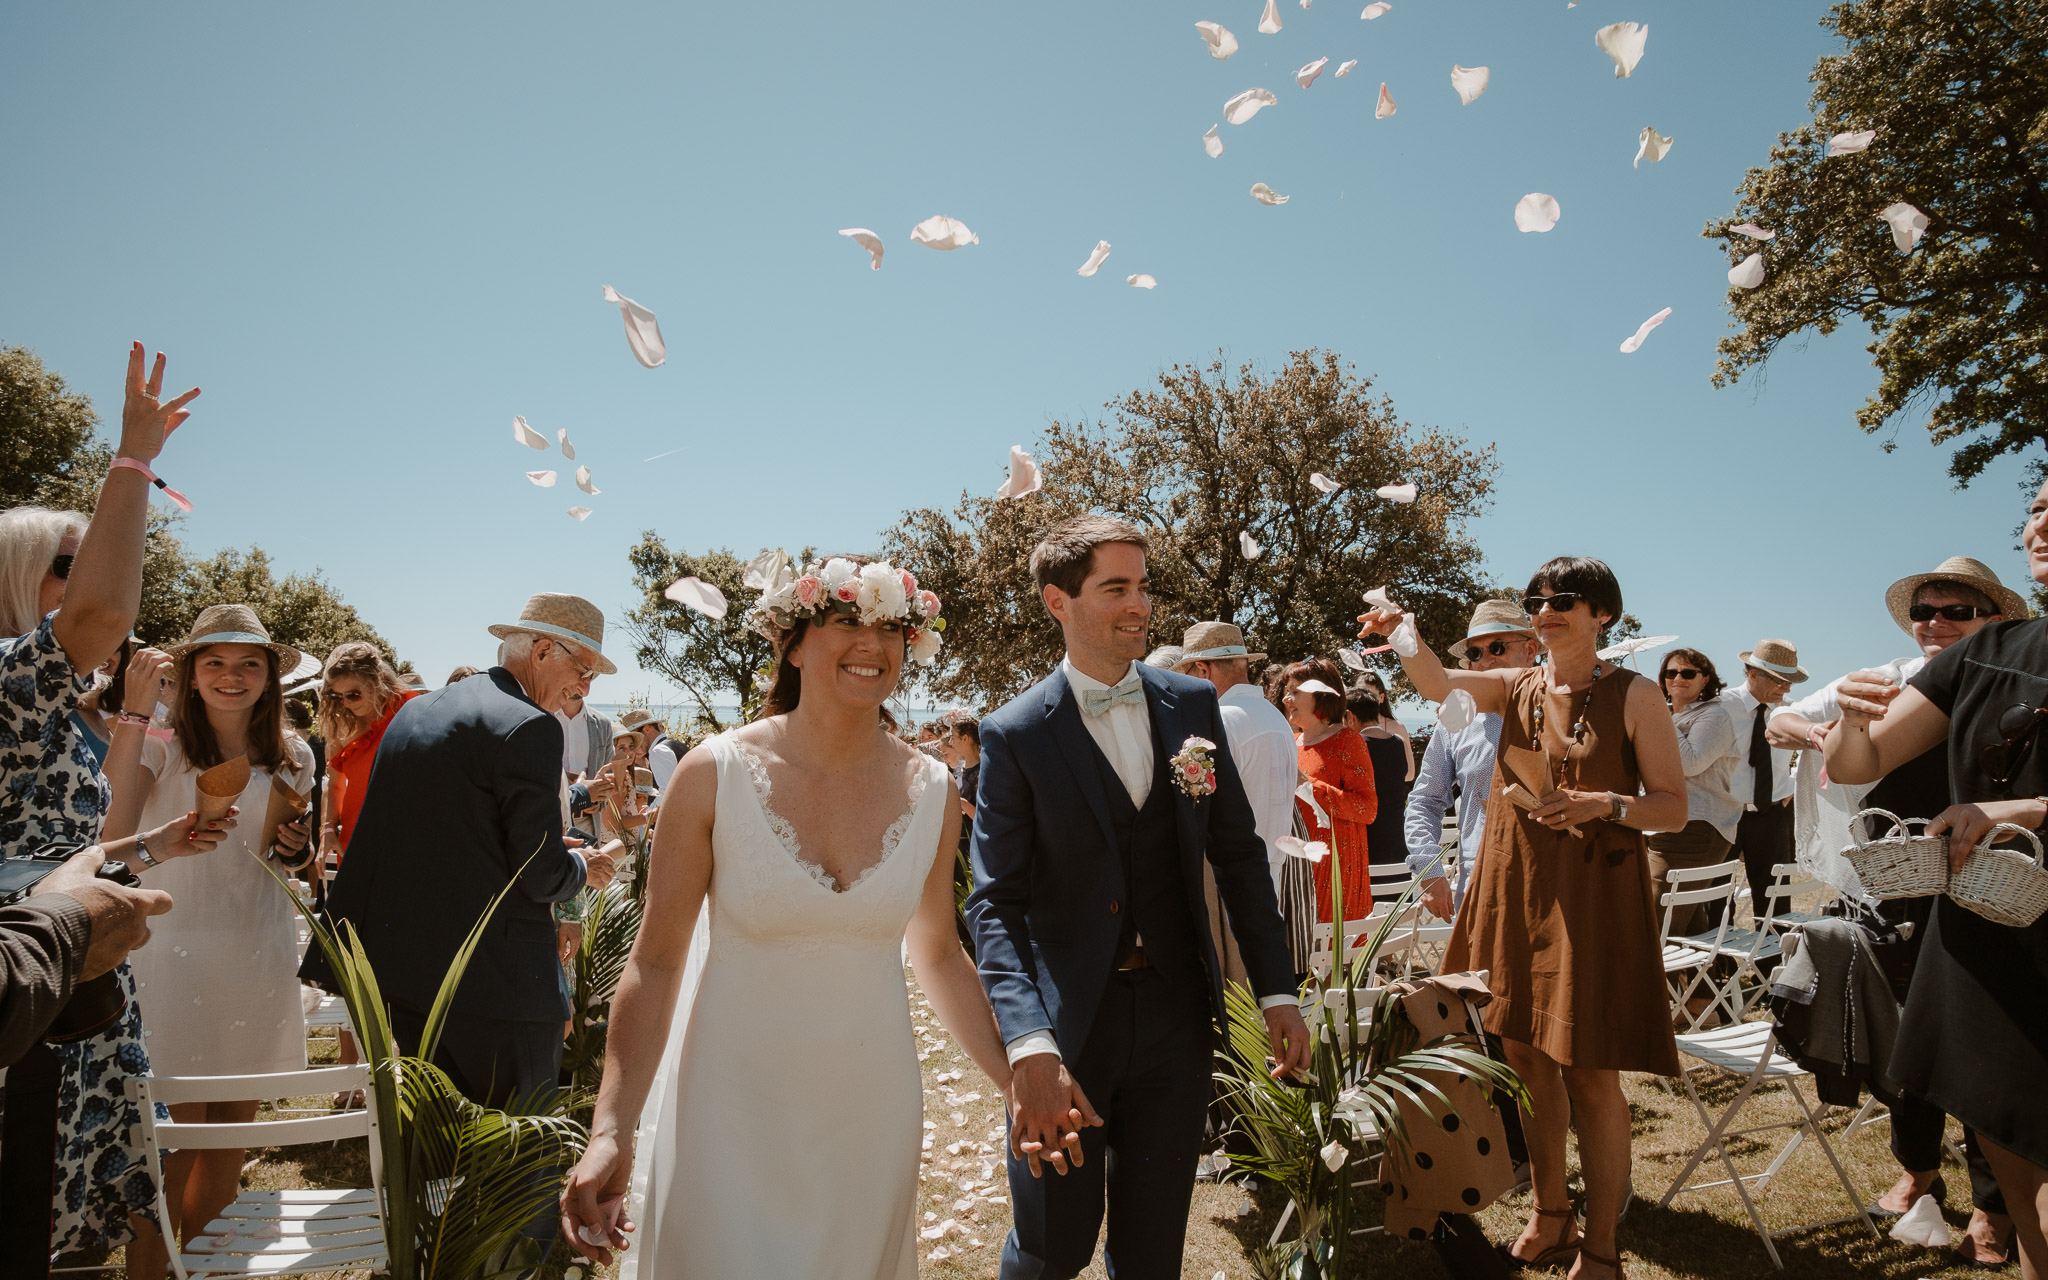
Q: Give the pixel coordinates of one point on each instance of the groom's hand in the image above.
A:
(1289, 1037)
(1047, 1113)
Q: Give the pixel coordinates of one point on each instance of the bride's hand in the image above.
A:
(594, 1201)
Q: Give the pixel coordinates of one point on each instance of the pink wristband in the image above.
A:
(132, 464)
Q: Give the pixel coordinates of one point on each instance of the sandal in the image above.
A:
(1587, 1255)
(1556, 1253)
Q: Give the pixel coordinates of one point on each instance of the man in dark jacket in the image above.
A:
(465, 798)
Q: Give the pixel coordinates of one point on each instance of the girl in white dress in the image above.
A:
(218, 985)
(783, 1138)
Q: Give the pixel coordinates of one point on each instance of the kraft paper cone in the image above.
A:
(285, 804)
(219, 788)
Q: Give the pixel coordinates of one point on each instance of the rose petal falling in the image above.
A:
(1296, 847)
(1351, 659)
(1385, 107)
(1379, 599)
(583, 482)
(1396, 492)
(695, 593)
(1217, 36)
(1470, 82)
(579, 513)
(1141, 281)
(1623, 42)
(1537, 212)
(1459, 710)
(1375, 9)
(1323, 483)
(1269, 21)
(1247, 104)
(1748, 273)
(643, 332)
(1095, 258)
(1635, 340)
(1211, 143)
(545, 479)
(941, 232)
(1248, 546)
(1404, 640)
(1306, 793)
(868, 240)
(1908, 224)
(1024, 476)
(1754, 231)
(527, 435)
(1334, 1155)
(1344, 68)
(1266, 195)
(1307, 75)
(1651, 146)
(1848, 144)
(568, 450)
(768, 572)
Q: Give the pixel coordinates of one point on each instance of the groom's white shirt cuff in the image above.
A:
(1034, 1042)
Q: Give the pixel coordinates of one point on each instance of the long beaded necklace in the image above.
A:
(1577, 733)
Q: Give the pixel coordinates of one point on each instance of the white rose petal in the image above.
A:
(1023, 479)
(1266, 195)
(769, 571)
(1269, 21)
(1908, 224)
(643, 331)
(1095, 258)
(1404, 638)
(1248, 546)
(545, 479)
(1470, 82)
(868, 240)
(838, 570)
(579, 513)
(1385, 107)
(1623, 42)
(1754, 231)
(568, 450)
(1632, 343)
(583, 482)
(1375, 9)
(1217, 36)
(1334, 1155)
(1141, 281)
(1748, 273)
(1396, 492)
(1344, 68)
(1247, 104)
(527, 435)
(1458, 710)
(1323, 483)
(1351, 658)
(1651, 146)
(697, 594)
(1211, 143)
(1537, 212)
(1307, 75)
(1848, 144)
(941, 232)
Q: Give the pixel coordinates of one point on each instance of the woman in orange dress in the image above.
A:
(1338, 767)
(359, 693)
(1559, 912)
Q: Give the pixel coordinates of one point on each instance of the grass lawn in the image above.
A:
(964, 1195)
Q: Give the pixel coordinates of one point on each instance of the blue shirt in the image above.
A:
(1465, 760)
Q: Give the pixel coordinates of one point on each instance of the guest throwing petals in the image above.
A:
(1338, 767)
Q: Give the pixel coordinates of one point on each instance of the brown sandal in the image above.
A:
(1588, 1255)
(1555, 1254)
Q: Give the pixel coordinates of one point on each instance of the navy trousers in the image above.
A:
(1146, 1067)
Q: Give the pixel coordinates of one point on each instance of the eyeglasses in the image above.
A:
(352, 697)
(1495, 648)
(1562, 602)
(583, 673)
(60, 568)
(1682, 673)
(2018, 725)
(1918, 613)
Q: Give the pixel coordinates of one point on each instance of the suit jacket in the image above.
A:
(1046, 868)
(464, 798)
(43, 942)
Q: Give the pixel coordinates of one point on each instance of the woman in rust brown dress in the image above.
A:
(1563, 923)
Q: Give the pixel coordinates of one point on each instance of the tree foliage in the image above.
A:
(301, 610)
(45, 429)
(707, 657)
(1194, 461)
(1957, 91)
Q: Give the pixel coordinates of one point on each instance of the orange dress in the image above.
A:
(1564, 925)
(350, 767)
(1339, 771)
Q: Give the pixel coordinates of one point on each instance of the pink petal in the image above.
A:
(1632, 343)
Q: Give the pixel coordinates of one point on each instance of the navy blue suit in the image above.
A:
(1067, 874)
(464, 797)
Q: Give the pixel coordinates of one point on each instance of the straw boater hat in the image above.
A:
(1898, 597)
(1207, 641)
(1775, 657)
(237, 624)
(561, 617)
(1492, 618)
(638, 718)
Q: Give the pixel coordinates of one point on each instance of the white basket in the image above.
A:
(1899, 864)
(2001, 885)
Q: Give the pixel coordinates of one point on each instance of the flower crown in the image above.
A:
(876, 592)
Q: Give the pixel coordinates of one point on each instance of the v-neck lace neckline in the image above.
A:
(785, 832)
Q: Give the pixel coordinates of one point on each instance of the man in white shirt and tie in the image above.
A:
(1762, 776)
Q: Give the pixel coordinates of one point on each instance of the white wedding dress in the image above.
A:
(782, 1134)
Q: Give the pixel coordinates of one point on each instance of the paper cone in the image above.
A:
(219, 788)
(285, 804)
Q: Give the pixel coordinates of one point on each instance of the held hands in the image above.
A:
(1865, 696)
(1966, 825)
(145, 421)
(594, 1201)
(1288, 1036)
(1047, 1112)
(1562, 808)
(148, 671)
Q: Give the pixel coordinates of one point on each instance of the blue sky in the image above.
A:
(373, 234)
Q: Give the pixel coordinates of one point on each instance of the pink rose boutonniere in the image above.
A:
(1194, 767)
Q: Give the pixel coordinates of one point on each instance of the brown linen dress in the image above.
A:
(1563, 925)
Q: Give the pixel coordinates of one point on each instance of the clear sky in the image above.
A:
(375, 233)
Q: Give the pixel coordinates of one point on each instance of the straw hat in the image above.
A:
(237, 624)
(560, 617)
(1492, 618)
(637, 718)
(1213, 640)
(1779, 658)
(1898, 597)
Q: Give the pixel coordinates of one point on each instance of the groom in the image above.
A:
(1091, 926)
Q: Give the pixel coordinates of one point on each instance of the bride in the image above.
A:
(783, 1132)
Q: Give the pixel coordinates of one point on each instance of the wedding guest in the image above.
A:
(1339, 771)
(1166, 657)
(1937, 609)
(1970, 1039)
(462, 673)
(1498, 638)
(468, 797)
(1393, 765)
(662, 752)
(359, 694)
(218, 990)
(96, 710)
(1377, 683)
(69, 590)
(1559, 907)
(1762, 777)
(1706, 751)
(586, 738)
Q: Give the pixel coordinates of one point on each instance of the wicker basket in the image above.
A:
(1900, 864)
(2001, 885)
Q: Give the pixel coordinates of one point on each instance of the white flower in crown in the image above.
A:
(876, 592)
(881, 593)
(924, 646)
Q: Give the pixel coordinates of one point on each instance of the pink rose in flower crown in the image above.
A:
(909, 585)
(847, 592)
(810, 592)
(928, 603)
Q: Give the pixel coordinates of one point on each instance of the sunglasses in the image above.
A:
(60, 567)
(1918, 613)
(1682, 673)
(1494, 648)
(1562, 602)
(2018, 725)
(352, 697)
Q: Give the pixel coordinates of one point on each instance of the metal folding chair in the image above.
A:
(1689, 962)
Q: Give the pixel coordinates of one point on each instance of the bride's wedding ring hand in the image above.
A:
(594, 1202)
(1047, 1113)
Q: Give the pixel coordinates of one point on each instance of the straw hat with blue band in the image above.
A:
(561, 617)
(236, 624)
(1214, 642)
(1492, 618)
(1779, 658)
(1898, 597)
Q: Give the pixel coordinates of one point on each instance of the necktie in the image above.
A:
(1760, 760)
(1097, 701)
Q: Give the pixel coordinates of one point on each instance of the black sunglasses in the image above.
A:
(60, 567)
(1562, 602)
(1682, 673)
(2018, 725)
(1496, 648)
(1952, 612)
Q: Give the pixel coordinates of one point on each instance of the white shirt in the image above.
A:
(1742, 709)
(1708, 752)
(662, 762)
(1262, 747)
(575, 741)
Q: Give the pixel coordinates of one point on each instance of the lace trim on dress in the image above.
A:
(757, 770)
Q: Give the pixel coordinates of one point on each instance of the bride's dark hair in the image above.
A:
(788, 687)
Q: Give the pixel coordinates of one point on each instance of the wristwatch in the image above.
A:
(1620, 813)
(142, 853)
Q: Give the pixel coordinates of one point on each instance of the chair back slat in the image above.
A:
(277, 1084)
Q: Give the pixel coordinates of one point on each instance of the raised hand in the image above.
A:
(146, 419)
(148, 670)
(1865, 696)
(1378, 622)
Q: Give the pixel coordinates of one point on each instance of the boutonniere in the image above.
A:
(1194, 768)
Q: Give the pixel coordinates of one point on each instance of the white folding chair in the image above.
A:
(271, 1233)
(1689, 961)
(1789, 880)
(1749, 1050)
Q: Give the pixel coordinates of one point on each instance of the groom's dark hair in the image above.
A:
(1066, 555)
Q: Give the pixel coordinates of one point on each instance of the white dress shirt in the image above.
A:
(575, 741)
(1262, 747)
(1742, 709)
